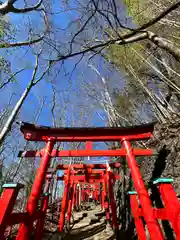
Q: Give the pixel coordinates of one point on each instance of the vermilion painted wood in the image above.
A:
(160, 213)
(74, 195)
(44, 205)
(106, 196)
(83, 192)
(39, 232)
(83, 178)
(89, 145)
(152, 224)
(96, 192)
(7, 202)
(136, 137)
(89, 152)
(70, 203)
(42, 133)
(81, 171)
(35, 133)
(25, 229)
(103, 193)
(64, 203)
(77, 196)
(91, 181)
(138, 221)
(172, 206)
(112, 199)
(84, 166)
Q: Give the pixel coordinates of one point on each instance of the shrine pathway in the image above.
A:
(88, 225)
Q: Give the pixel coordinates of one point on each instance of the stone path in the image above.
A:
(89, 225)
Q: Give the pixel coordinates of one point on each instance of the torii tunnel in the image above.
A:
(82, 179)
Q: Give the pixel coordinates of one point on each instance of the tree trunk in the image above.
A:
(7, 127)
(165, 45)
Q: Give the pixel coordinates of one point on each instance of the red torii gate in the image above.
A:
(72, 178)
(52, 135)
(171, 210)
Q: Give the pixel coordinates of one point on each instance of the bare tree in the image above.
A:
(8, 7)
(134, 35)
(33, 82)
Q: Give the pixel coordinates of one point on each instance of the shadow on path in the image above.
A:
(79, 235)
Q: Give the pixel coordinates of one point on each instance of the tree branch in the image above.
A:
(11, 78)
(158, 18)
(7, 127)
(81, 29)
(165, 45)
(20, 44)
(152, 21)
(158, 41)
(102, 45)
(30, 42)
(8, 7)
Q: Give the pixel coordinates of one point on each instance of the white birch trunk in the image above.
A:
(7, 127)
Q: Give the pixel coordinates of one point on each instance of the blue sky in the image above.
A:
(23, 58)
(69, 89)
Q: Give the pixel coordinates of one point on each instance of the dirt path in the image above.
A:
(88, 225)
(91, 227)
